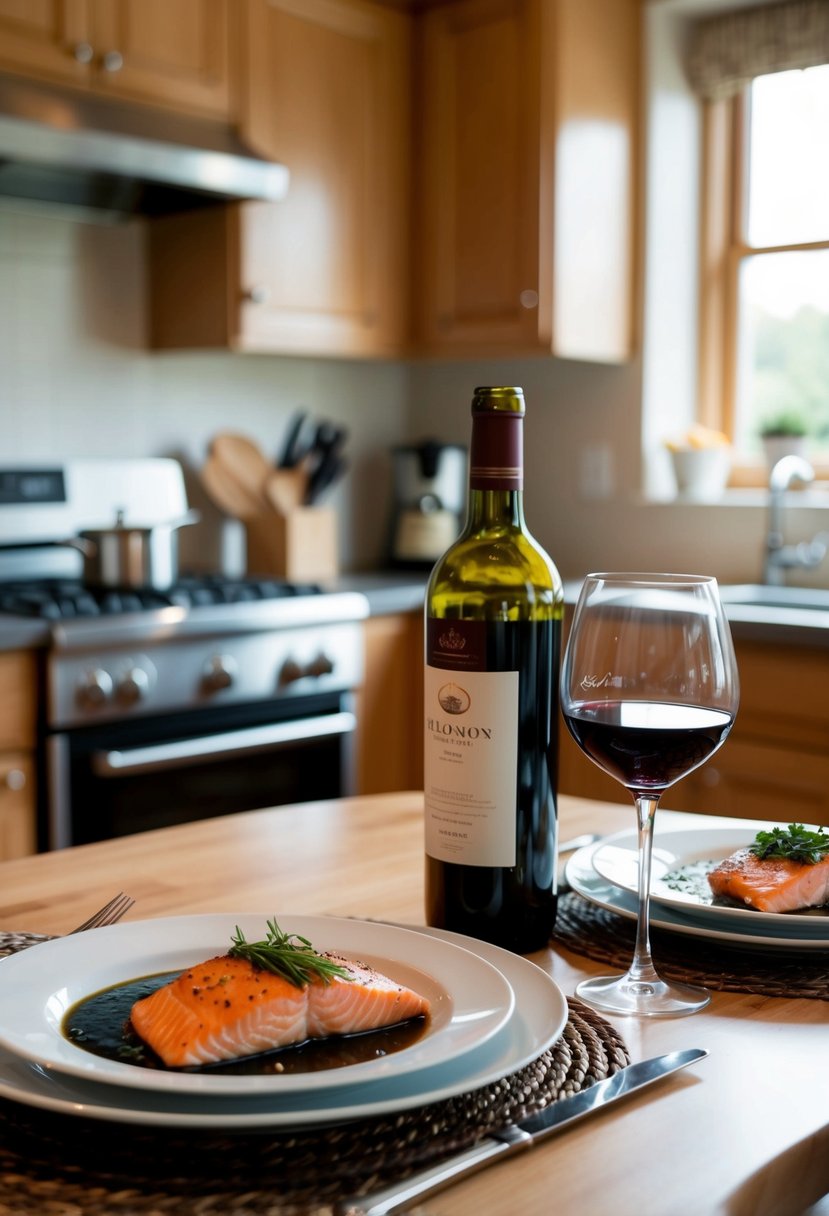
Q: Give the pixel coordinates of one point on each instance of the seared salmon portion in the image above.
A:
(771, 884)
(226, 1008)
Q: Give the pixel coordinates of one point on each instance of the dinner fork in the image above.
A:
(108, 915)
(13, 943)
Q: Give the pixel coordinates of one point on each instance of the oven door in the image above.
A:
(120, 778)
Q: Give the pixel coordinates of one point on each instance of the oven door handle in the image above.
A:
(182, 752)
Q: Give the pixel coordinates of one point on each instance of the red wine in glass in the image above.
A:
(647, 745)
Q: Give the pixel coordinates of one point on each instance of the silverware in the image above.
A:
(108, 915)
(518, 1136)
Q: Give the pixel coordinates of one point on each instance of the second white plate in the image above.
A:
(586, 881)
(616, 860)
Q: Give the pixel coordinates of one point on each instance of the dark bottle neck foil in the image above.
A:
(496, 458)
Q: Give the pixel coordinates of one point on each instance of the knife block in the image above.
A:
(300, 545)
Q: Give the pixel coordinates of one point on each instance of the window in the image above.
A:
(764, 298)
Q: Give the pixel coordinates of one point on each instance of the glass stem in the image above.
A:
(642, 970)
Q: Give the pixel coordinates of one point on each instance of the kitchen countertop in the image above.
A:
(393, 591)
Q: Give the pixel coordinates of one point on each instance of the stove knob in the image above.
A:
(321, 665)
(133, 685)
(290, 672)
(219, 672)
(96, 687)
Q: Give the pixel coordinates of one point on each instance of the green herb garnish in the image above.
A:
(287, 954)
(796, 843)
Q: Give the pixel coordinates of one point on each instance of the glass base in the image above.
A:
(643, 998)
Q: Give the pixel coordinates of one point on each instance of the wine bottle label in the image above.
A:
(471, 749)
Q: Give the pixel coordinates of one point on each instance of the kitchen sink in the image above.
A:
(761, 595)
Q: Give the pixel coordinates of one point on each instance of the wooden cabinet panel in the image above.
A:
(390, 706)
(40, 38)
(18, 699)
(528, 170)
(176, 55)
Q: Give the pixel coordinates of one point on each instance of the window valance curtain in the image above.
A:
(726, 51)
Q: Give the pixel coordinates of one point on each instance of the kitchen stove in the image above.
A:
(216, 695)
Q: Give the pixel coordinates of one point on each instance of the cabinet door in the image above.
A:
(18, 832)
(528, 139)
(757, 781)
(480, 114)
(172, 54)
(327, 93)
(18, 693)
(390, 706)
(45, 39)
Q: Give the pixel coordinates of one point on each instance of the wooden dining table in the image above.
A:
(745, 1132)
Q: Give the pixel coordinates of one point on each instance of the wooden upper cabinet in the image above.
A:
(176, 54)
(528, 130)
(173, 54)
(326, 92)
(44, 39)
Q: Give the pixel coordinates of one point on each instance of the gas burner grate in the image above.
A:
(59, 600)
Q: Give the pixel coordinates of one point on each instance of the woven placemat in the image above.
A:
(606, 937)
(67, 1166)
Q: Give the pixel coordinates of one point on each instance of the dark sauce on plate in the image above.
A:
(101, 1025)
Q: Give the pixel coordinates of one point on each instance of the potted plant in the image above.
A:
(783, 434)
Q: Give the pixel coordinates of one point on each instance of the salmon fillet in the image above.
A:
(771, 884)
(226, 1008)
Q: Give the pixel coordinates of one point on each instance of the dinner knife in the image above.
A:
(518, 1136)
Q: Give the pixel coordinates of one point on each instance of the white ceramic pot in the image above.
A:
(701, 473)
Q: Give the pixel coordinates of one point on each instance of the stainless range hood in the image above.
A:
(108, 160)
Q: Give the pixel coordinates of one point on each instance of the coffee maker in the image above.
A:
(429, 480)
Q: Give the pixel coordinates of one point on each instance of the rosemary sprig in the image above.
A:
(287, 954)
(795, 842)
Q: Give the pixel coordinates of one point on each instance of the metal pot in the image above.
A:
(124, 556)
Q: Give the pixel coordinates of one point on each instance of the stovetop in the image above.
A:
(70, 600)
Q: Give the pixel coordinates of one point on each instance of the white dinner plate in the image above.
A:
(585, 880)
(537, 1020)
(470, 999)
(693, 852)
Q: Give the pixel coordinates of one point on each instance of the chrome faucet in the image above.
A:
(780, 556)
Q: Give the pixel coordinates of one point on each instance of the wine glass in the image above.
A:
(649, 691)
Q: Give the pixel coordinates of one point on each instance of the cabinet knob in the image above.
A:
(529, 299)
(14, 779)
(112, 61)
(257, 295)
(83, 52)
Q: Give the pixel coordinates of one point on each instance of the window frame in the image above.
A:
(722, 249)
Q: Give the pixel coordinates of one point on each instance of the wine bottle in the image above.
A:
(493, 613)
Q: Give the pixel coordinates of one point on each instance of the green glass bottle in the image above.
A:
(494, 608)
